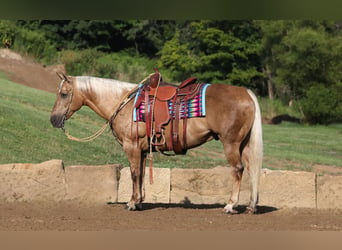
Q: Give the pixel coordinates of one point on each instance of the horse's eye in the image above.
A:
(64, 95)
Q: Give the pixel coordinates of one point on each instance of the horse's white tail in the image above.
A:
(255, 152)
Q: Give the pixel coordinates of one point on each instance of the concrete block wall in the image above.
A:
(89, 184)
(329, 191)
(32, 182)
(278, 189)
(204, 186)
(158, 192)
(287, 189)
(51, 181)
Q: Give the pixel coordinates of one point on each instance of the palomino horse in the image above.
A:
(232, 116)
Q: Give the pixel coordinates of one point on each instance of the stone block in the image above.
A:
(92, 184)
(287, 189)
(329, 191)
(206, 186)
(32, 182)
(158, 192)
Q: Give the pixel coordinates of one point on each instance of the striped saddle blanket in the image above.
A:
(191, 108)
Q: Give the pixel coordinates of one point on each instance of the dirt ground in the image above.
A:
(67, 216)
(155, 217)
(25, 71)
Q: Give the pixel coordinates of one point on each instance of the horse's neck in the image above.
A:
(103, 95)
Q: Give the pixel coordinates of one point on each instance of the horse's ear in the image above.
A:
(60, 75)
(63, 77)
(66, 78)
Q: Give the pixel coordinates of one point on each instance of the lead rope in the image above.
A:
(152, 132)
(89, 138)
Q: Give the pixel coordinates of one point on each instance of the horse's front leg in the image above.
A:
(137, 161)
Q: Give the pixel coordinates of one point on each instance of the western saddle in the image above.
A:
(163, 103)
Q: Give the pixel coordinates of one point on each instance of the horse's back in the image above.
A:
(218, 92)
(229, 109)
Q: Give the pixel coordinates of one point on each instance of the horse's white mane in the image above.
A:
(102, 86)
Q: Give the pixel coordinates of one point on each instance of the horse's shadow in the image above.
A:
(240, 208)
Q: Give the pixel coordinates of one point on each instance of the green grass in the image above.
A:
(293, 146)
(26, 136)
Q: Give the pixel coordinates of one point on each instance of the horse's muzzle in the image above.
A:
(57, 121)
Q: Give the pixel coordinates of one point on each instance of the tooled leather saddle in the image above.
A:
(163, 104)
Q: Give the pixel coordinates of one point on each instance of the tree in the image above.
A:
(141, 36)
(148, 36)
(303, 57)
(104, 35)
(8, 32)
(214, 51)
(323, 105)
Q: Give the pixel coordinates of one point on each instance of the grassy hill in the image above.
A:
(26, 136)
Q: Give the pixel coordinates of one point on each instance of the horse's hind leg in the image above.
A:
(234, 158)
(254, 174)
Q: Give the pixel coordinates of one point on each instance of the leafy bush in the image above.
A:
(82, 62)
(8, 32)
(322, 105)
(125, 67)
(271, 108)
(120, 66)
(34, 43)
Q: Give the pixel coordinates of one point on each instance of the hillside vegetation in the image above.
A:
(27, 136)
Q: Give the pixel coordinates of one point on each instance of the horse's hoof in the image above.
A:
(228, 209)
(250, 210)
(232, 211)
(131, 206)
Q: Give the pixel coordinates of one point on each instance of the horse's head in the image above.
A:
(66, 103)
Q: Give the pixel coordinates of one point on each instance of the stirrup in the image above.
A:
(154, 140)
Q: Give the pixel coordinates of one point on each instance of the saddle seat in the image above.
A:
(166, 91)
(158, 96)
(163, 93)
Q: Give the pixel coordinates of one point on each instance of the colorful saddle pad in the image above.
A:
(194, 107)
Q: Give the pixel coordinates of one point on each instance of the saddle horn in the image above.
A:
(155, 78)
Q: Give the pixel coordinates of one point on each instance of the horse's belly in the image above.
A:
(197, 133)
